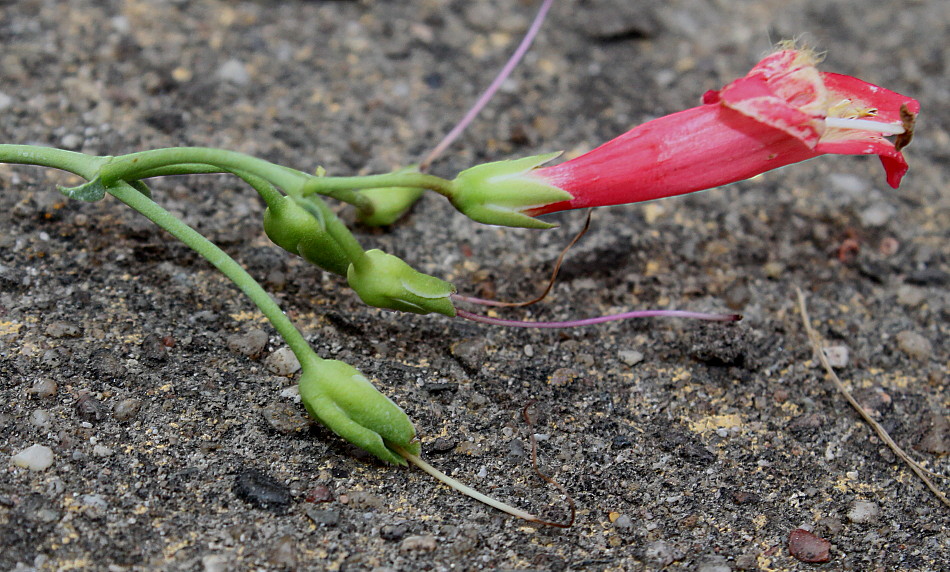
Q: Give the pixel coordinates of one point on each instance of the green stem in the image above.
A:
(327, 185)
(131, 167)
(86, 166)
(183, 160)
(220, 260)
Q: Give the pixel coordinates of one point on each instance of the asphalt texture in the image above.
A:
(686, 446)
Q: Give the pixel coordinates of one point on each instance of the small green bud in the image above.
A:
(341, 398)
(390, 203)
(498, 193)
(385, 281)
(299, 226)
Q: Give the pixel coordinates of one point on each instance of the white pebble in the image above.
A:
(282, 362)
(34, 458)
(40, 418)
(863, 512)
(101, 451)
(837, 355)
(234, 71)
(630, 357)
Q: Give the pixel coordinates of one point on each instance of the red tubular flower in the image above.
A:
(784, 111)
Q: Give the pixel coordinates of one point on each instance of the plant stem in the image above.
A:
(220, 260)
(132, 166)
(328, 185)
(185, 160)
(86, 166)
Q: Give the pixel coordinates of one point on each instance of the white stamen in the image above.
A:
(865, 125)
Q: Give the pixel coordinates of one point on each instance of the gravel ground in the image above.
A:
(686, 446)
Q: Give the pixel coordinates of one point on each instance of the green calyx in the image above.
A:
(389, 204)
(385, 281)
(499, 193)
(341, 398)
(303, 226)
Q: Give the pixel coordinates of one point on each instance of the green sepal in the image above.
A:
(389, 204)
(499, 193)
(89, 192)
(300, 227)
(142, 188)
(341, 398)
(386, 281)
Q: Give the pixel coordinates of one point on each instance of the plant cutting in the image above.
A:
(784, 111)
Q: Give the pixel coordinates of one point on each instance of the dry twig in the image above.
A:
(920, 471)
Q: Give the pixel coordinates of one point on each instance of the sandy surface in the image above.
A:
(690, 446)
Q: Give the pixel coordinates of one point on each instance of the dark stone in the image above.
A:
(394, 532)
(323, 517)
(262, 491)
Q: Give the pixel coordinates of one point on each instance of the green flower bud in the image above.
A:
(385, 281)
(499, 193)
(390, 203)
(341, 398)
(300, 227)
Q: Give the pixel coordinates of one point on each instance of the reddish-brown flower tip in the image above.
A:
(783, 111)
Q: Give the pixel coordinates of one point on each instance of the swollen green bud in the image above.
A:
(498, 193)
(385, 281)
(390, 203)
(300, 227)
(343, 400)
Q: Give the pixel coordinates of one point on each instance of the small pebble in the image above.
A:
(911, 296)
(562, 376)
(937, 438)
(660, 553)
(848, 183)
(60, 329)
(623, 522)
(630, 357)
(126, 409)
(287, 418)
(749, 561)
(251, 343)
(262, 491)
(418, 543)
(89, 408)
(774, 270)
(363, 499)
(217, 563)
(320, 493)
(34, 458)
(914, 345)
(282, 362)
(101, 451)
(154, 348)
(807, 547)
(714, 564)
(5, 101)
(837, 355)
(233, 71)
(93, 506)
(284, 553)
(877, 215)
(864, 512)
(43, 388)
(394, 532)
(470, 352)
(40, 418)
(529, 350)
(71, 141)
(323, 517)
